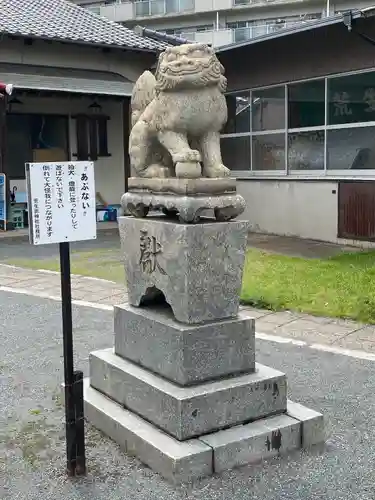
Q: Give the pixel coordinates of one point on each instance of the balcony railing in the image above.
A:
(162, 7)
(221, 37)
(249, 32)
(248, 2)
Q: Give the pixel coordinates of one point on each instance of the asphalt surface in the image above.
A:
(32, 448)
(20, 248)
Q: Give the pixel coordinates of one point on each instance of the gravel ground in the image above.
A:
(32, 448)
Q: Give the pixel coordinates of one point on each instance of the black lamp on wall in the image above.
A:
(95, 108)
(13, 101)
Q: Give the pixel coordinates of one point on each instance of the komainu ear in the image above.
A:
(160, 60)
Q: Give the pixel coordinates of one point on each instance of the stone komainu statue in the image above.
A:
(177, 116)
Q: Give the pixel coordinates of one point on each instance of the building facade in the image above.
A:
(73, 74)
(300, 134)
(218, 22)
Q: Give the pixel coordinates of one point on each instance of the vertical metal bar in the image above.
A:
(251, 130)
(66, 298)
(3, 165)
(80, 423)
(286, 112)
(325, 152)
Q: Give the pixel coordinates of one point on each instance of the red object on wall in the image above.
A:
(6, 88)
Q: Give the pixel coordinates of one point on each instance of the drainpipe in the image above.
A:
(347, 19)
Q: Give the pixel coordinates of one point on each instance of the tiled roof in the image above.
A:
(65, 21)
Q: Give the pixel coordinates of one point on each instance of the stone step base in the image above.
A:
(186, 412)
(184, 354)
(187, 460)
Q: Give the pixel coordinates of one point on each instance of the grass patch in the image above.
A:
(342, 286)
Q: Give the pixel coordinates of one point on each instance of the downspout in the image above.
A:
(348, 22)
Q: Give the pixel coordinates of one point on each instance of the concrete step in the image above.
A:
(184, 461)
(186, 412)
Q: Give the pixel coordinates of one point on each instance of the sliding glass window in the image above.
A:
(306, 125)
(320, 126)
(351, 122)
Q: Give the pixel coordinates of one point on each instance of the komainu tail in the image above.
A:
(139, 140)
(143, 94)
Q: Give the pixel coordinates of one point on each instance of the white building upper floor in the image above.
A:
(218, 22)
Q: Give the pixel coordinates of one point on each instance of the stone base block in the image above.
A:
(174, 460)
(184, 354)
(312, 424)
(184, 461)
(250, 443)
(254, 442)
(186, 412)
(198, 268)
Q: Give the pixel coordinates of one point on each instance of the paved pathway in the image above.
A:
(48, 283)
(32, 444)
(344, 334)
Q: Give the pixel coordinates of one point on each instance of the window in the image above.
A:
(306, 150)
(32, 136)
(351, 149)
(236, 152)
(351, 99)
(268, 116)
(268, 109)
(269, 152)
(238, 113)
(325, 125)
(306, 110)
(306, 104)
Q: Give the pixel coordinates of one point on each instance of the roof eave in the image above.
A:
(85, 43)
(160, 37)
(328, 21)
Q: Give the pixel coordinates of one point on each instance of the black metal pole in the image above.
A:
(66, 297)
(3, 169)
(80, 423)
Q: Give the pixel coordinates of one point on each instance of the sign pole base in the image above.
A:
(74, 414)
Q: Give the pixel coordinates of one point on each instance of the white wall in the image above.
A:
(128, 64)
(292, 208)
(109, 172)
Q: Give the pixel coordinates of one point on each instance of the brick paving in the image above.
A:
(83, 288)
(311, 329)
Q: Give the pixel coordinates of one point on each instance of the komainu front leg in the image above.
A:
(141, 147)
(211, 156)
(187, 160)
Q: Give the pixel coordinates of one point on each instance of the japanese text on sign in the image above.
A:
(62, 201)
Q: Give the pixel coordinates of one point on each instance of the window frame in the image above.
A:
(302, 174)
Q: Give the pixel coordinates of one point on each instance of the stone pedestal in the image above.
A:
(181, 389)
(197, 267)
(186, 198)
